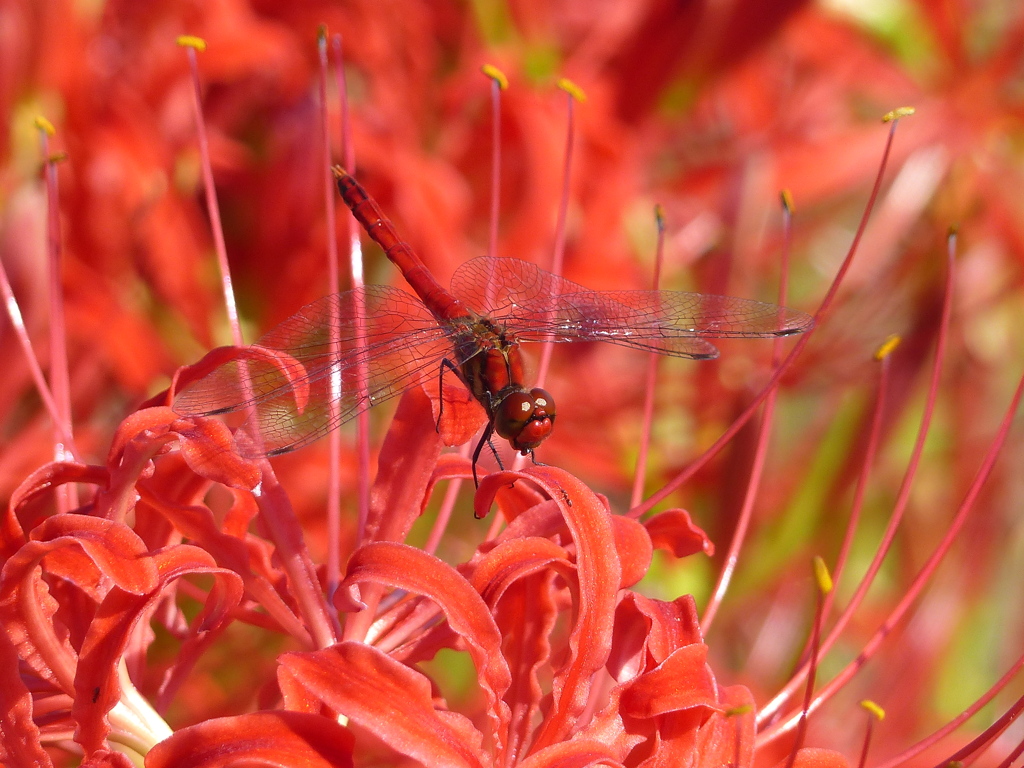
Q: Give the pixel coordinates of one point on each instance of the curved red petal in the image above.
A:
(810, 757)
(727, 738)
(155, 419)
(510, 560)
(207, 445)
(209, 449)
(649, 630)
(683, 681)
(223, 597)
(633, 543)
(512, 498)
(576, 753)
(405, 465)
(390, 700)
(43, 480)
(215, 360)
(97, 688)
(674, 531)
(284, 739)
(511, 578)
(400, 566)
(461, 415)
(20, 745)
(106, 758)
(197, 524)
(599, 575)
(113, 549)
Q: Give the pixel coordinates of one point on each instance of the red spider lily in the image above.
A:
(751, 97)
(546, 600)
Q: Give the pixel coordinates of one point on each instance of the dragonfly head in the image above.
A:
(525, 419)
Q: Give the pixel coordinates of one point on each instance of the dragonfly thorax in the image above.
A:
(493, 371)
(492, 363)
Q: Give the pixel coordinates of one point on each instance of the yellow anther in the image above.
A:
(822, 576)
(45, 125)
(787, 201)
(572, 89)
(886, 347)
(897, 113)
(496, 75)
(191, 41)
(874, 709)
(321, 33)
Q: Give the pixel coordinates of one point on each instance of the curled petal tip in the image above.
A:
(496, 75)
(191, 41)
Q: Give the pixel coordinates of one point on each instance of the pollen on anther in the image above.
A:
(886, 347)
(822, 576)
(496, 75)
(897, 113)
(873, 708)
(191, 41)
(572, 89)
(45, 125)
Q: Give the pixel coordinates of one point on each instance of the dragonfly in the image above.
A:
(347, 352)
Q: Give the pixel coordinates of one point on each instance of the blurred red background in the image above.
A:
(706, 108)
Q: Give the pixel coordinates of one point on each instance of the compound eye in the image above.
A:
(513, 415)
(544, 403)
(525, 419)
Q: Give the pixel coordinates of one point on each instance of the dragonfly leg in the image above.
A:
(497, 458)
(485, 439)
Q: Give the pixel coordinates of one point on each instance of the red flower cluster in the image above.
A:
(573, 667)
(181, 614)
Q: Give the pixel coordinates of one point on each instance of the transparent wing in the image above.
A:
(540, 306)
(289, 379)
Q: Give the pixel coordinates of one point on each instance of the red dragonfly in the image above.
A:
(349, 351)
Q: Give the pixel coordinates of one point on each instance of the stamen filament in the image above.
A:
(60, 380)
(333, 501)
(357, 275)
(191, 44)
(902, 498)
(652, 374)
(746, 513)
